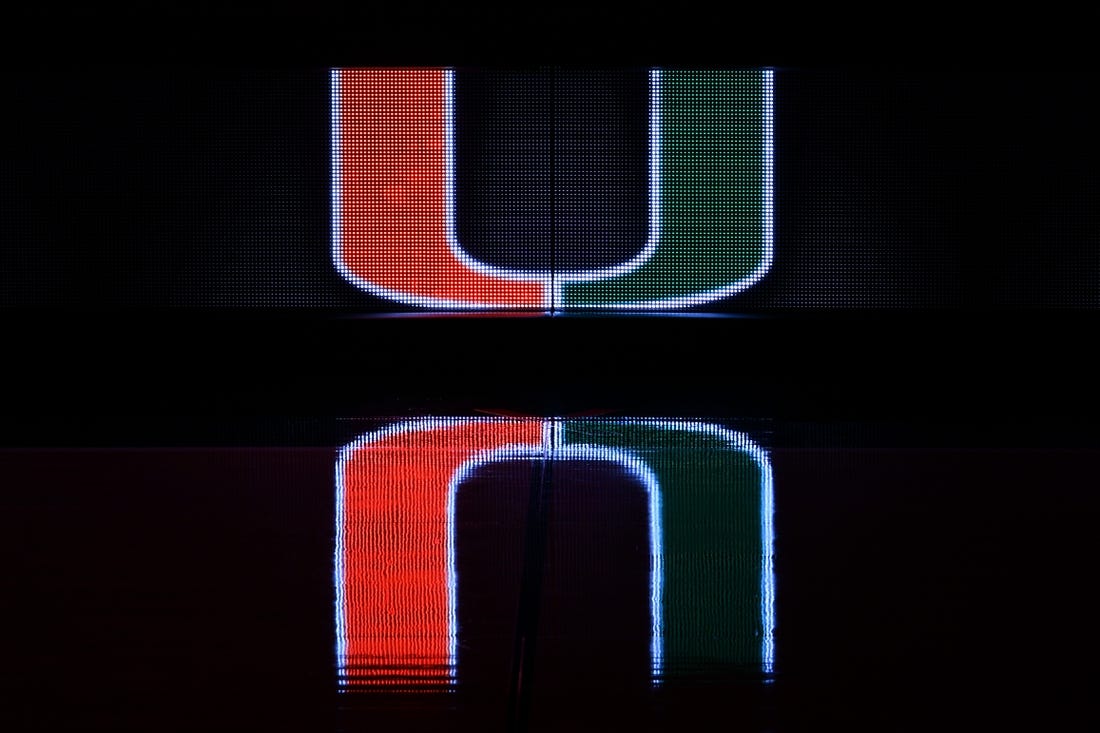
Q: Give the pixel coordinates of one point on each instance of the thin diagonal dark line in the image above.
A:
(534, 554)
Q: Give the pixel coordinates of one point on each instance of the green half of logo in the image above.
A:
(710, 195)
(715, 545)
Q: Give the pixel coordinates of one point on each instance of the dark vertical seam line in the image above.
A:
(553, 213)
(534, 553)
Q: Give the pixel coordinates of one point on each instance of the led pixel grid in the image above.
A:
(708, 514)
(472, 189)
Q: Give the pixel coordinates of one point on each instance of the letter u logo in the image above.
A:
(709, 211)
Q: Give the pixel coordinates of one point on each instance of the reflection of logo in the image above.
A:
(709, 209)
(708, 493)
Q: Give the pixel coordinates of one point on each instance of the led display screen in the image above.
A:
(552, 190)
(722, 188)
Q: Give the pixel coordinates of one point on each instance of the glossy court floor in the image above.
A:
(611, 572)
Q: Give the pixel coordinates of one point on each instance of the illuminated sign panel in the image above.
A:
(704, 219)
(708, 499)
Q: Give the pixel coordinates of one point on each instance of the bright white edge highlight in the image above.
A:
(552, 287)
(551, 448)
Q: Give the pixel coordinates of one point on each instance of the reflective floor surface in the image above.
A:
(599, 573)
